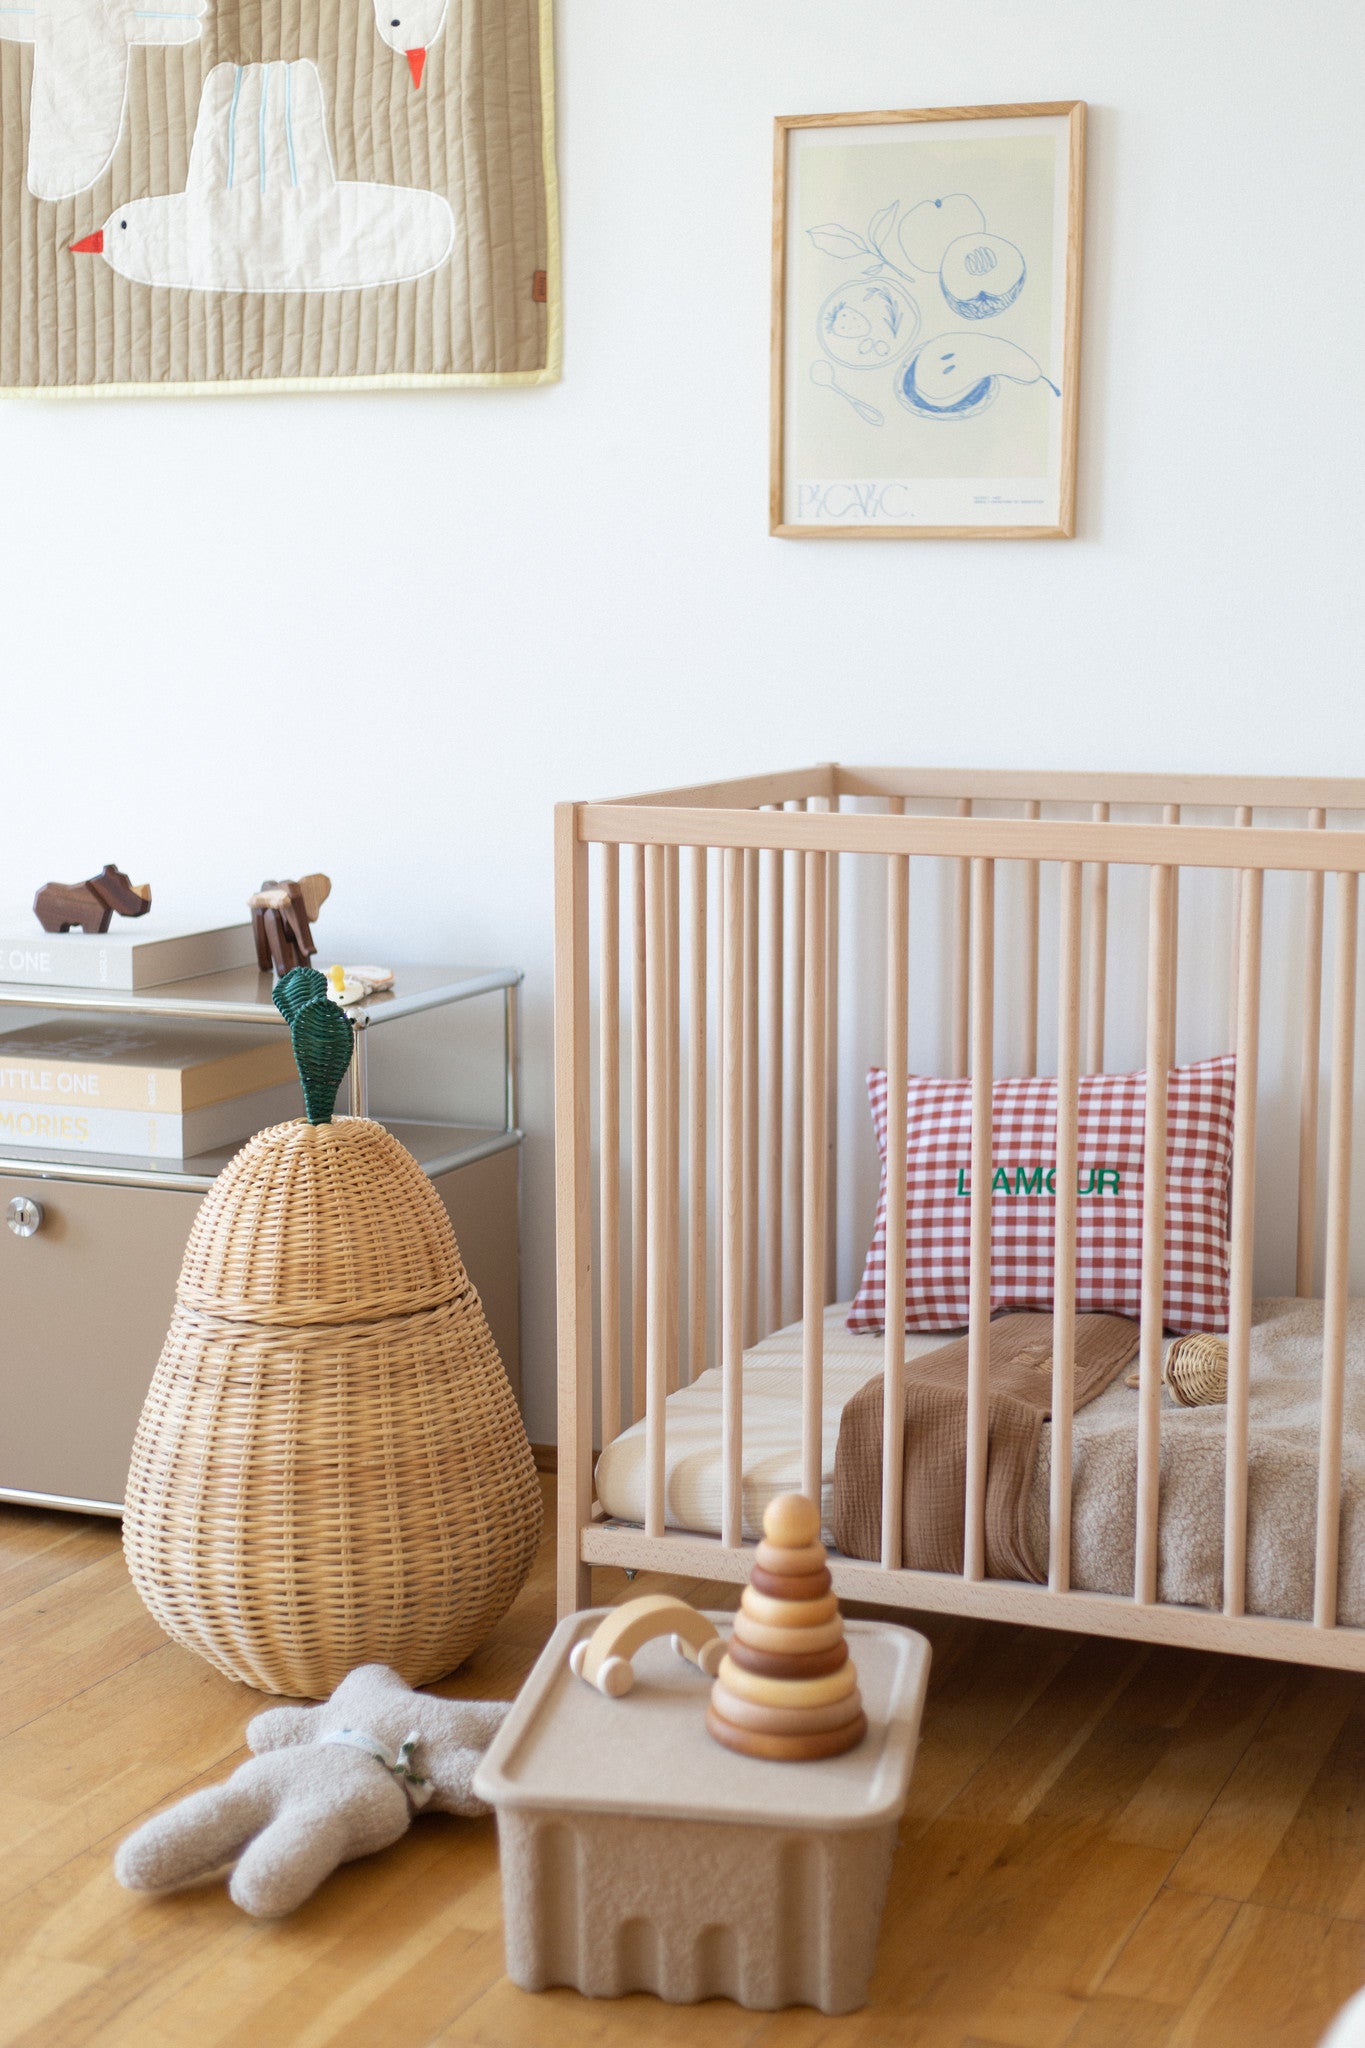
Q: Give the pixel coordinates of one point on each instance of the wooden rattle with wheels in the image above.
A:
(603, 1659)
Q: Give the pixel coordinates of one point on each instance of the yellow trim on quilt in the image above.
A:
(397, 380)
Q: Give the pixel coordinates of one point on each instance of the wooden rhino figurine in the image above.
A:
(61, 906)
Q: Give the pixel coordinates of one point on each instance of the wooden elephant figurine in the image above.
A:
(282, 916)
(61, 906)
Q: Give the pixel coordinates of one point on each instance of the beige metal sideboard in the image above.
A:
(92, 1247)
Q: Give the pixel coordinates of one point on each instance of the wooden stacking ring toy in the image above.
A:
(789, 1613)
(786, 1690)
(782, 1586)
(809, 1558)
(794, 1641)
(787, 1749)
(767, 1664)
(603, 1659)
(783, 1720)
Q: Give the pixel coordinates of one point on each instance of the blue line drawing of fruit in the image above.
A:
(956, 376)
(981, 274)
(926, 231)
(868, 323)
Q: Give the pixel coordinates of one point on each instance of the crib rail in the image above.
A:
(694, 1181)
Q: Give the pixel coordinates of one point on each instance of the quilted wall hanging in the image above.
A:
(247, 195)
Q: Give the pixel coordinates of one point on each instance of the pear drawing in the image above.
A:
(955, 376)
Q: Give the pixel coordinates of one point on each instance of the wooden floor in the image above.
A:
(1104, 1845)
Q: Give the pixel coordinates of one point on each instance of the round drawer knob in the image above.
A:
(24, 1216)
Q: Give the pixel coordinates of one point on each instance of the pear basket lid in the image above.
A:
(320, 1223)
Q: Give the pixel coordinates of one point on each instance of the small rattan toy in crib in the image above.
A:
(330, 1468)
(1195, 1372)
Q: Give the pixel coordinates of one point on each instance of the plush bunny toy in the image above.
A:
(325, 1784)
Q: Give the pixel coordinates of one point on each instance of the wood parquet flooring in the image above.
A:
(1106, 1846)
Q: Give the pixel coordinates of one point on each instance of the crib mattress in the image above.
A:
(1286, 1360)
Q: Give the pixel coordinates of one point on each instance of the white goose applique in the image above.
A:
(81, 53)
(263, 209)
(410, 27)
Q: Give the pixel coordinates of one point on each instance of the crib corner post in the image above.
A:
(573, 1221)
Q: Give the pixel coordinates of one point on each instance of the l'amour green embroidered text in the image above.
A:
(1039, 1180)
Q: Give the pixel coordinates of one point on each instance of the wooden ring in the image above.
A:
(788, 1613)
(784, 1586)
(796, 1642)
(784, 1720)
(768, 1664)
(786, 1749)
(787, 1692)
(774, 1558)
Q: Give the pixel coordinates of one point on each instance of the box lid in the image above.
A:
(565, 1747)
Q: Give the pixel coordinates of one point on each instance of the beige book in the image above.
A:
(134, 1063)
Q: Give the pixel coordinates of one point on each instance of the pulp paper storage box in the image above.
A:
(638, 1855)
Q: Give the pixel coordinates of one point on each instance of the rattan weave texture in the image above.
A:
(320, 1223)
(309, 1493)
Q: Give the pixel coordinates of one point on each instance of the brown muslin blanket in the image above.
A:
(935, 1437)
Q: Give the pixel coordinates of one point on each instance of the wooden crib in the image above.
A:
(697, 1071)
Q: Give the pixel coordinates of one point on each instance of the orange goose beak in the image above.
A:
(416, 59)
(92, 245)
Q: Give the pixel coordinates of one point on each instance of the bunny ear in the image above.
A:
(279, 1728)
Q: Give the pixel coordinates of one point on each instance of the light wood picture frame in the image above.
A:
(926, 323)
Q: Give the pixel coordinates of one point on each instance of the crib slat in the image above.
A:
(1243, 1219)
(794, 1205)
(609, 1141)
(1240, 816)
(1170, 815)
(1337, 1276)
(1153, 1235)
(897, 1061)
(1099, 955)
(696, 1121)
(1029, 993)
(814, 1205)
(831, 973)
(1310, 1059)
(639, 1139)
(773, 1083)
(751, 1043)
(732, 1198)
(979, 1294)
(1064, 1258)
(656, 1114)
(573, 1207)
(673, 1108)
(961, 954)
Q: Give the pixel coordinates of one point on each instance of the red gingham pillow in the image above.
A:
(1023, 1212)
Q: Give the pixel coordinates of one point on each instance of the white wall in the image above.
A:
(383, 635)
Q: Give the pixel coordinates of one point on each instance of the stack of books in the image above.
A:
(139, 1087)
(143, 954)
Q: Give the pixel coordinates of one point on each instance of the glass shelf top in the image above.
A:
(241, 995)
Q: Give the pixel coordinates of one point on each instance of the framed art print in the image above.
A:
(926, 323)
(214, 195)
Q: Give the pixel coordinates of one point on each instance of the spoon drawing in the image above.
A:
(821, 373)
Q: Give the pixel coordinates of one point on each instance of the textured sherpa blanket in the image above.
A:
(934, 1435)
(1282, 1479)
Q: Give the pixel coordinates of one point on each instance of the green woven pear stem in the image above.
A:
(321, 1034)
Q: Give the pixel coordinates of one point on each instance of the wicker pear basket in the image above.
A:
(330, 1468)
